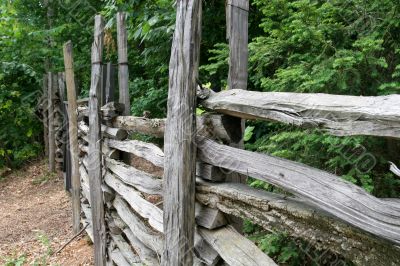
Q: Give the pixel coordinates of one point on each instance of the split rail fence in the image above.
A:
(175, 204)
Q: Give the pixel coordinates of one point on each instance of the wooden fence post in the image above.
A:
(123, 74)
(237, 35)
(45, 114)
(52, 142)
(63, 114)
(237, 16)
(94, 162)
(180, 151)
(110, 84)
(73, 136)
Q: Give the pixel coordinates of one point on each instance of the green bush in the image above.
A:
(20, 128)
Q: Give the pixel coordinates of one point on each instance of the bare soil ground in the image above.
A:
(35, 220)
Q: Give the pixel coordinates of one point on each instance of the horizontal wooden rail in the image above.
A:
(147, 151)
(329, 192)
(152, 127)
(337, 114)
(142, 181)
(141, 206)
(151, 238)
(299, 220)
(234, 248)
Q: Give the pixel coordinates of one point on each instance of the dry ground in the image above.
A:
(35, 220)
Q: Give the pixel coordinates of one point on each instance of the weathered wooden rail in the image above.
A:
(174, 205)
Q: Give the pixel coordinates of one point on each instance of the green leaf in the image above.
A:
(248, 133)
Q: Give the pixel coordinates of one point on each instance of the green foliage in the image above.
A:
(18, 261)
(248, 133)
(289, 251)
(359, 160)
(19, 126)
(43, 179)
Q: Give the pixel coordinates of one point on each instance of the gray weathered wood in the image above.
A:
(337, 114)
(209, 218)
(109, 132)
(237, 16)
(123, 74)
(299, 220)
(394, 169)
(141, 206)
(94, 164)
(180, 153)
(117, 257)
(73, 134)
(152, 127)
(209, 172)
(52, 142)
(152, 239)
(45, 114)
(114, 133)
(215, 126)
(84, 183)
(204, 251)
(142, 181)
(234, 248)
(329, 192)
(125, 250)
(147, 151)
(146, 255)
(110, 84)
(87, 220)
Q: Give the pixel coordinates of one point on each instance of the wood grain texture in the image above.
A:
(152, 127)
(151, 213)
(146, 255)
(44, 107)
(237, 20)
(94, 157)
(299, 220)
(85, 187)
(123, 74)
(108, 132)
(234, 248)
(329, 192)
(117, 257)
(209, 218)
(209, 172)
(52, 81)
(336, 114)
(126, 250)
(73, 134)
(180, 153)
(211, 125)
(142, 181)
(204, 251)
(151, 238)
(87, 219)
(145, 150)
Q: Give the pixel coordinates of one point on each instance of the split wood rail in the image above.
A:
(173, 204)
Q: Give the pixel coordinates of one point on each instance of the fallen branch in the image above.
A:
(72, 239)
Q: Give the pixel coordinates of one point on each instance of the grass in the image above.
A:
(43, 179)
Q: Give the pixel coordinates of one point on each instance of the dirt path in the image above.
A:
(35, 220)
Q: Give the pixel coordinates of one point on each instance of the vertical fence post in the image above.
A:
(73, 136)
(180, 150)
(110, 83)
(123, 75)
(237, 35)
(63, 116)
(237, 17)
(45, 114)
(50, 108)
(94, 162)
